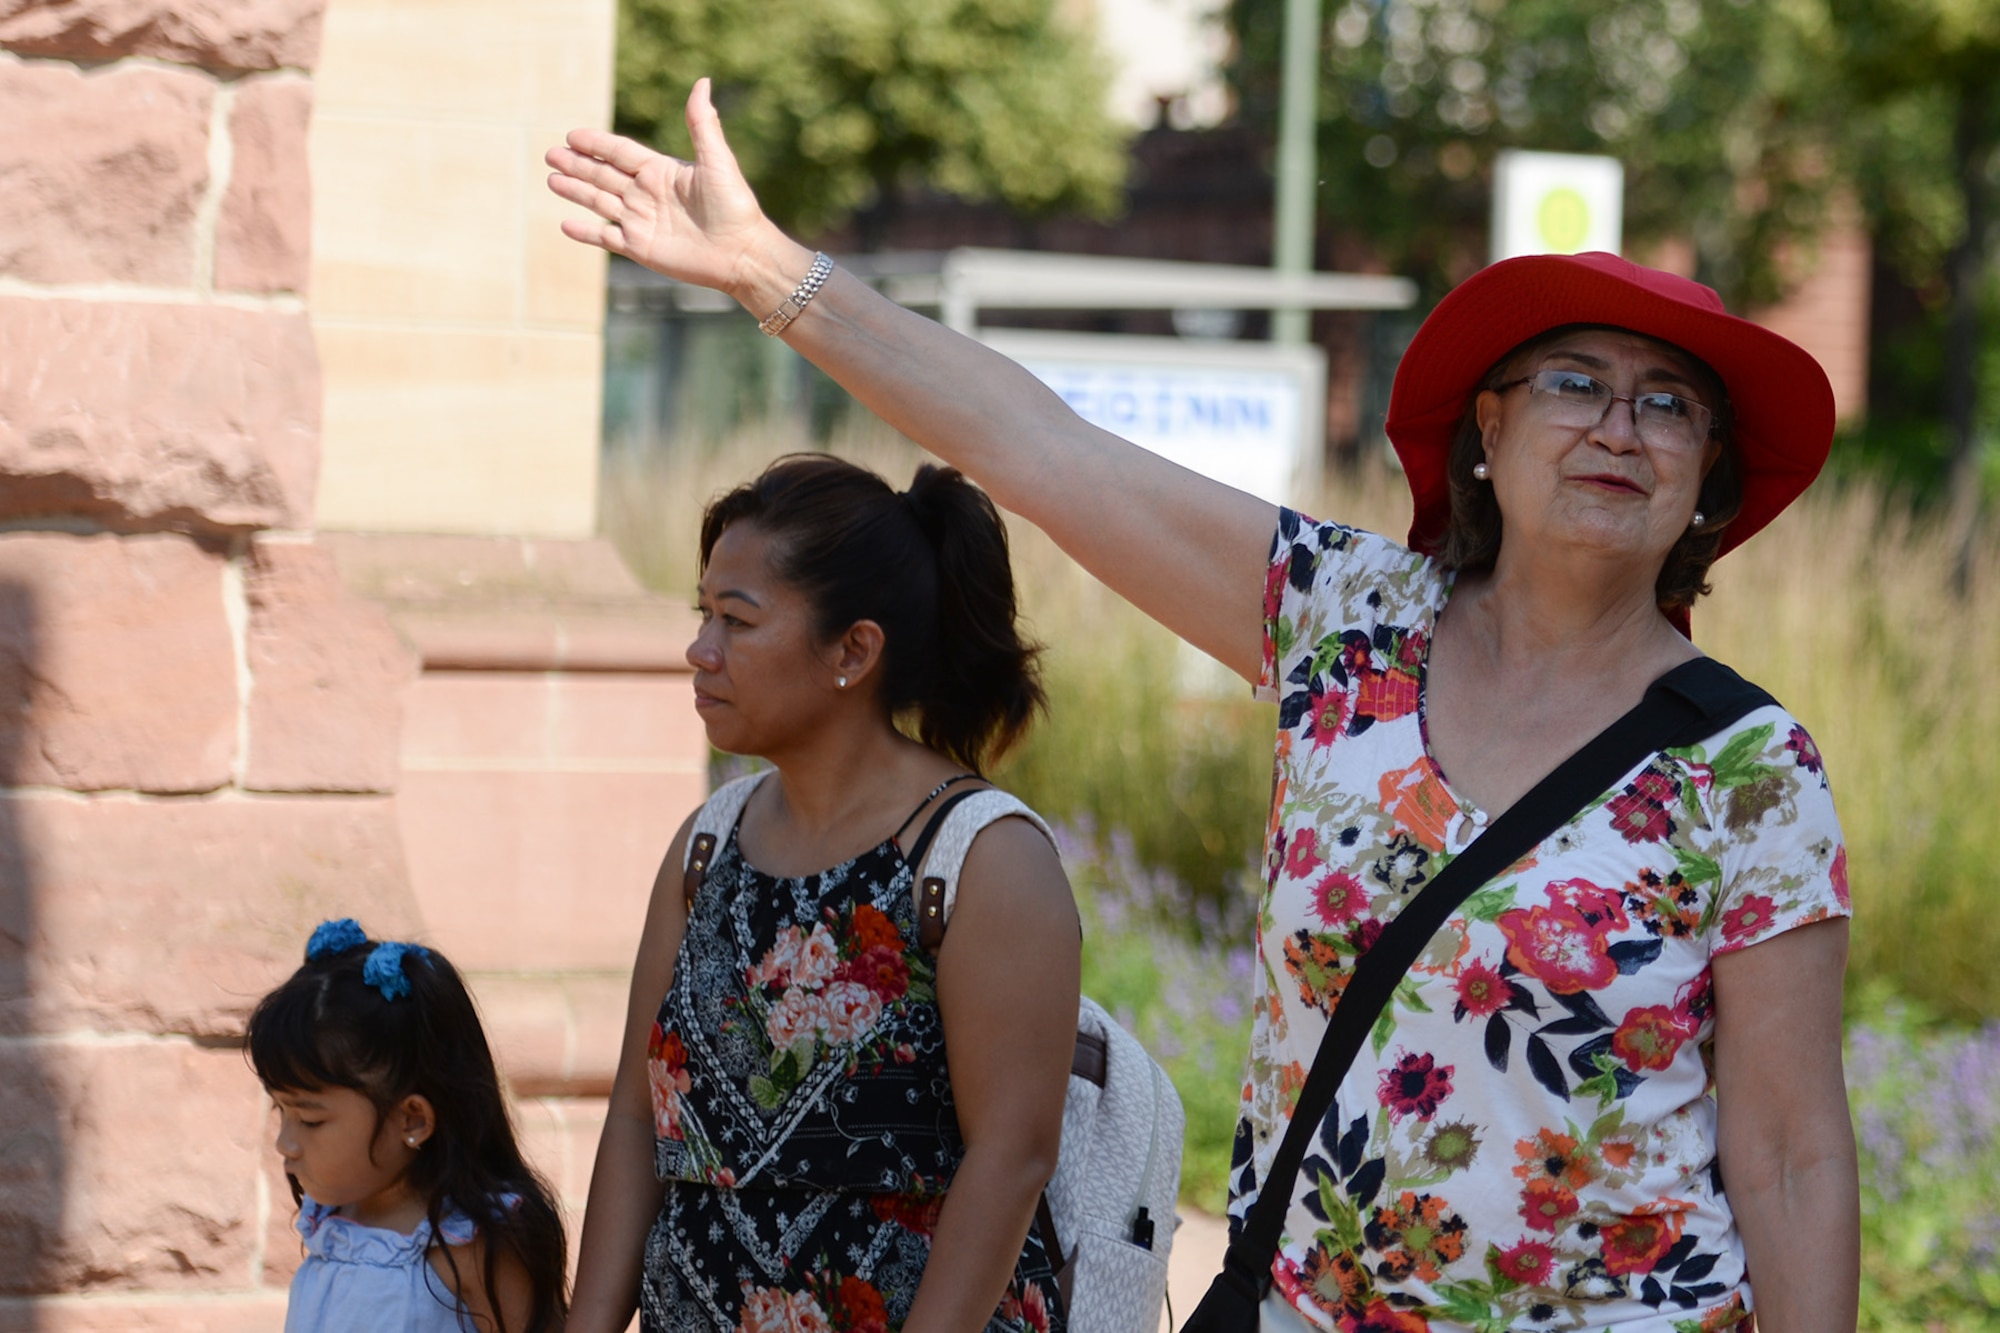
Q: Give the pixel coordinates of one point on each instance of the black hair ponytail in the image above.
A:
(986, 689)
(929, 565)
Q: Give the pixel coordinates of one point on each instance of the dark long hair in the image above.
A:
(929, 565)
(1472, 536)
(327, 1028)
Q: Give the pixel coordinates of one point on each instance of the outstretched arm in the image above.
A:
(1188, 551)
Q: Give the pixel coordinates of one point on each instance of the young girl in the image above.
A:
(416, 1208)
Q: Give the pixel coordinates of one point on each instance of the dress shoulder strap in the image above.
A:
(949, 837)
(718, 815)
(923, 805)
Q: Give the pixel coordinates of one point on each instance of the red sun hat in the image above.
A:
(1782, 403)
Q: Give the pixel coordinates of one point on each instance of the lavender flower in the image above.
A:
(1926, 1105)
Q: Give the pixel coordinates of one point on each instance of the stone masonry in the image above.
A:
(199, 724)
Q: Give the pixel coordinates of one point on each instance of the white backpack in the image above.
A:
(1107, 1217)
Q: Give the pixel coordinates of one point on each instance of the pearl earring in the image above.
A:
(1698, 519)
(840, 682)
(1481, 471)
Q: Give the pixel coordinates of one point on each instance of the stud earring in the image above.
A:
(411, 1142)
(1481, 471)
(1698, 519)
(840, 682)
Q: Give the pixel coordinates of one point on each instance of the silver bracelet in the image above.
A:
(788, 309)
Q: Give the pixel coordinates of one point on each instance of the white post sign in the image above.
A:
(1556, 204)
(1251, 415)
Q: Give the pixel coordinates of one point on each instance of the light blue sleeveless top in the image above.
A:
(358, 1278)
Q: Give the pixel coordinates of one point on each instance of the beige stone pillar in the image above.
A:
(198, 723)
(550, 746)
(460, 332)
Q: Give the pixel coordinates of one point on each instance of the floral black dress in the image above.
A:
(803, 1113)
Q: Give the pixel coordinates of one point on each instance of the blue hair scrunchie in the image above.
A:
(384, 968)
(331, 937)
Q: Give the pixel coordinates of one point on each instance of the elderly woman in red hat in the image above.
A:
(1643, 1011)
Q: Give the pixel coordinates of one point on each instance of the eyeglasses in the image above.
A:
(1661, 420)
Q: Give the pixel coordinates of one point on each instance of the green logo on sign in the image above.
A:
(1563, 220)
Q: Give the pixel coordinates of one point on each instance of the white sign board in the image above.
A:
(1251, 415)
(1556, 204)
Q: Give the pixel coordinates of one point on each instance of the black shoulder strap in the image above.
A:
(935, 792)
(1683, 707)
(701, 851)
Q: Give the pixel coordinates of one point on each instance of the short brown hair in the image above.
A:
(1471, 540)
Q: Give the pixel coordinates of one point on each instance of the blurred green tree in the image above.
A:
(1932, 69)
(1720, 110)
(835, 107)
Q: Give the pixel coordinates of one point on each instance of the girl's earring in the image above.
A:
(1481, 471)
(1698, 519)
(840, 682)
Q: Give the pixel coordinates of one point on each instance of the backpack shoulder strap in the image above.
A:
(718, 814)
(939, 853)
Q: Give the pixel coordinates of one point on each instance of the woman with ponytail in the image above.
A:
(787, 1146)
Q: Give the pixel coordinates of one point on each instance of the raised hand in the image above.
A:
(695, 221)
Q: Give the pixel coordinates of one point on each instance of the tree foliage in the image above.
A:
(1936, 63)
(1921, 85)
(1719, 109)
(835, 106)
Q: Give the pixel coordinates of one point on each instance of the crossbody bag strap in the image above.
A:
(1682, 707)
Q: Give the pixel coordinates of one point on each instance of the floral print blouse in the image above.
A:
(1528, 1139)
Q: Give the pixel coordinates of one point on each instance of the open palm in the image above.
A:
(689, 220)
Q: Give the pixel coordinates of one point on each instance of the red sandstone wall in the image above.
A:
(1827, 312)
(198, 724)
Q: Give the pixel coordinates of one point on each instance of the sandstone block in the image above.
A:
(116, 666)
(379, 252)
(214, 34)
(505, 604)
(559, 1138)
(127, 1165)
(101, 172)
(466, 429)
(231, 1312)
(156, 415)
(328, 674)
(129, 914)
(553, 1034)
(539, 871)
(263, 239)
